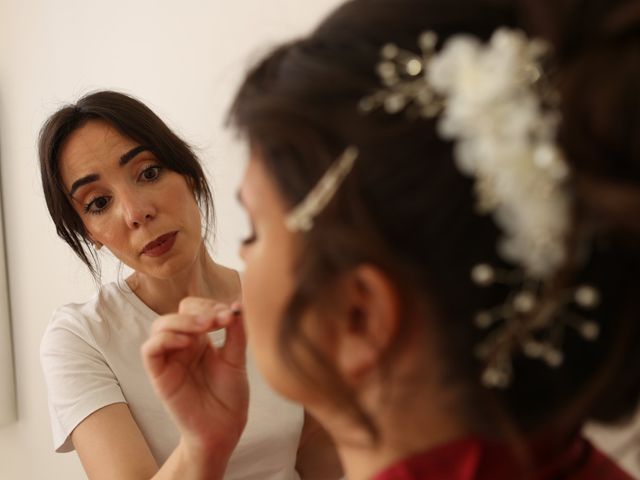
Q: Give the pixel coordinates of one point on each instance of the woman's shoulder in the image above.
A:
(94, 318)
(107, 297)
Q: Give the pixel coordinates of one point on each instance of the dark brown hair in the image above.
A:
(406, 208)
(132, 119)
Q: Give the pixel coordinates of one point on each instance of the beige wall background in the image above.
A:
(185, 60)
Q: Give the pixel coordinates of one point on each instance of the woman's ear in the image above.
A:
(371, 313)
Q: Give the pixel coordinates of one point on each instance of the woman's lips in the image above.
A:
(160, 245)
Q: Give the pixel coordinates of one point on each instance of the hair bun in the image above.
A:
(614, 204)
(573, 26)
(623, 20)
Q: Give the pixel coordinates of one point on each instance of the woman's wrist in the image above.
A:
(205, 460)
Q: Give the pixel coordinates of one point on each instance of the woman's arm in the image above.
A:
(85, 393)
(317, 456)
(110, 445)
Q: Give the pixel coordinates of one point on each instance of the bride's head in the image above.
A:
(455, 211)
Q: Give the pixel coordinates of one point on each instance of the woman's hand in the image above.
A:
(204, 387)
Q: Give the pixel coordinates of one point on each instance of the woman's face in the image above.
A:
(145, 214)
(268, 280)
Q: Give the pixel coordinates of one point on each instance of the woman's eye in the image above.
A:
(97, 205)
(151, 174)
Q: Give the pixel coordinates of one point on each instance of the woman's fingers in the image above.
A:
(156, 347)
(196, 317)
(164, 342)
(235, 345)
(189, 323)
(200, 306)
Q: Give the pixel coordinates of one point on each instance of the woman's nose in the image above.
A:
(137, 210)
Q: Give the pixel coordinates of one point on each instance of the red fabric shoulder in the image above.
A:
(474, 459)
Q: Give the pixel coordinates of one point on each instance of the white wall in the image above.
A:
(184, 59)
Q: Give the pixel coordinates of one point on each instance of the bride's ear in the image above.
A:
(369, 321)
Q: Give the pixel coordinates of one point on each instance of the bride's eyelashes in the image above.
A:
(251, 238)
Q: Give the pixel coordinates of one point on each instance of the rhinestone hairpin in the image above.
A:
(301, 218)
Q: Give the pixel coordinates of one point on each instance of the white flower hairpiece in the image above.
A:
(492, 101)
(487, 100)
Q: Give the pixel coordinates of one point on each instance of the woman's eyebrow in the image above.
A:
(83, 181)
(125, 158)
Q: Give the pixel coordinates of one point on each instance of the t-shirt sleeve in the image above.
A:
(78, 378)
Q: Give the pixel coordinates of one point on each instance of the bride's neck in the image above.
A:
(405, 438)
(411, 408)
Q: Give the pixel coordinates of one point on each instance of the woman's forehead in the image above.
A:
(94, 137)
(89, 147)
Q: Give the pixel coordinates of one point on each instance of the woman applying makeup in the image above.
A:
(116, 177)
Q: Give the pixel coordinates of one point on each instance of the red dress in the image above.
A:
(474, 459)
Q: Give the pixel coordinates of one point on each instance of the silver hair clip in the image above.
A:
(301, 218)
(493, 101)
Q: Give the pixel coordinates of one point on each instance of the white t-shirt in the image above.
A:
(90, 356)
